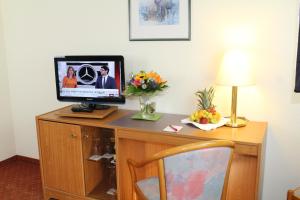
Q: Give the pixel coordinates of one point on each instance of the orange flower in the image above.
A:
(156, 77)
(137, 78)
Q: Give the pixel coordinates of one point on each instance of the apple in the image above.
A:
(203, 120)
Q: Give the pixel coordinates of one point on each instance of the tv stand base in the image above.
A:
(100, 106)
(86, 107)
(81, 108)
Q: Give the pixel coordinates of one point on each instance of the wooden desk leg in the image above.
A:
(242, 178)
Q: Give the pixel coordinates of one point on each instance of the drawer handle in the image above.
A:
(73, 135)
(86, 136)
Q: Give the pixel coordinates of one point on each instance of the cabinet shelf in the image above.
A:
(100, 192)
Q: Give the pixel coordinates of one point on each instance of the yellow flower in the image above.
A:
(137, 78)
(140, 76)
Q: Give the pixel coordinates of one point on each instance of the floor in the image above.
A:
(20, 180)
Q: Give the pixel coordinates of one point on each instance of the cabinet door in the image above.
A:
(61, 151)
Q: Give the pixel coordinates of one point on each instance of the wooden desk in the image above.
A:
(135, 139)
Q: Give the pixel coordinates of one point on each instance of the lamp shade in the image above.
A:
(235, 69)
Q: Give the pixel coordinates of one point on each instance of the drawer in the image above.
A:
(153, 137)
(246, 149)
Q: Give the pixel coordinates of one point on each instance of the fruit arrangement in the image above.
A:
(206, 112)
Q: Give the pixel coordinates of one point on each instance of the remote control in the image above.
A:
(81, 109)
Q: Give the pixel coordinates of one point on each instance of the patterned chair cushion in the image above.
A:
(150, 188)
(196, 175)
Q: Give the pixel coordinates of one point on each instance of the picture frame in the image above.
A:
(151, 20)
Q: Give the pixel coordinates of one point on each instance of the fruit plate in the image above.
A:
(206, 127)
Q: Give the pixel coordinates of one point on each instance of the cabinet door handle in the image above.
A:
(73, 135)
(86, 136)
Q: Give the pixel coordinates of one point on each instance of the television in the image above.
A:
(94, 81)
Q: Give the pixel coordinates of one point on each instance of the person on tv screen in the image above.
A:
(104, 81)
(70, 80)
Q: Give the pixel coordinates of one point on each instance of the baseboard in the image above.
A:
(21, 158)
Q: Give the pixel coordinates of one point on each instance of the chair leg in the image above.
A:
(134, 197)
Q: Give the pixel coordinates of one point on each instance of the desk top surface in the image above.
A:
(254, 133)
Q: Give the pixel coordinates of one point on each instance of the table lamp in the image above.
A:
(235, 71)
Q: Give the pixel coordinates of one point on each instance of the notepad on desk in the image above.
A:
(172, 128)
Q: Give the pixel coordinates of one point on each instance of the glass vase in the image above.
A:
(147, 107)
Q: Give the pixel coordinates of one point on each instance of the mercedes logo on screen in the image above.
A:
(87, 74)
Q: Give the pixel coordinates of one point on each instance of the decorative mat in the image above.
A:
(150, 117)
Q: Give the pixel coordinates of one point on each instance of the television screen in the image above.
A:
(90, 79)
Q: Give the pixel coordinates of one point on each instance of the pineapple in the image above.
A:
(205, 98)
(206, 112)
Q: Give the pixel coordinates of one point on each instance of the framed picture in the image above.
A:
(159, 20)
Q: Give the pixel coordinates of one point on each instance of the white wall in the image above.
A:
(7, 144)
(36, 31)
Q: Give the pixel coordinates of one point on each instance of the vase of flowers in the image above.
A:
(145, 85)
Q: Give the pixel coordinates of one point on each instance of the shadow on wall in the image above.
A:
(295, 98)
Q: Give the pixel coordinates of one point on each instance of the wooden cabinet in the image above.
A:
(66, 144)
(61, 157)
(67, 171)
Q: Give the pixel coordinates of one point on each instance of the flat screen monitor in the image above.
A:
(90, 79)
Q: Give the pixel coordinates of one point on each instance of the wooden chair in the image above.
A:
(193, 171)
(293, 194)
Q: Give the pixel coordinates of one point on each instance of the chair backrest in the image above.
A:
(198, 174)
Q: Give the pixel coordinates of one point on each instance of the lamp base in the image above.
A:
(240, 122)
